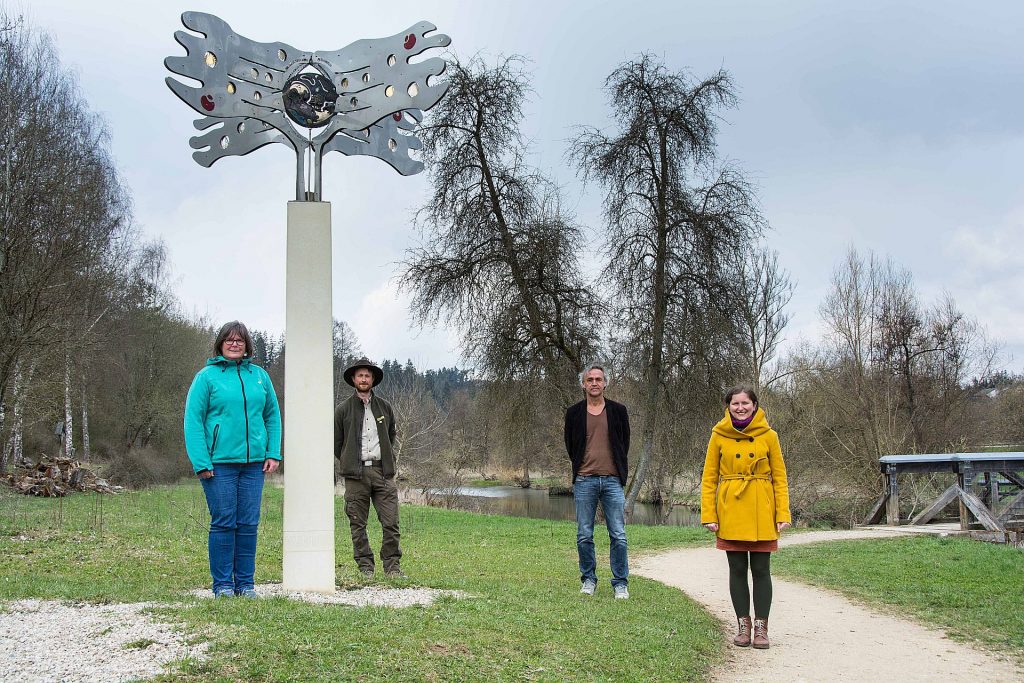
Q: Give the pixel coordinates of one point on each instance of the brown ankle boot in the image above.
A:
(761, 633)
(742, 638)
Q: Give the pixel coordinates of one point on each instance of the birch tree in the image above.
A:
(14, 449)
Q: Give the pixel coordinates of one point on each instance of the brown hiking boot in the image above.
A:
(761, 633)
(742, 638)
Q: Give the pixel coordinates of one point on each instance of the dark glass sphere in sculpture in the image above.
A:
(309, 99)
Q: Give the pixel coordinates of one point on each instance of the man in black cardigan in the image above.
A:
(597, 440)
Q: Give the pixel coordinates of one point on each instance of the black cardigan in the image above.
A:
(618, 434)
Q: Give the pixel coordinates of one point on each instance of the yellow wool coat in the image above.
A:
(744, 487)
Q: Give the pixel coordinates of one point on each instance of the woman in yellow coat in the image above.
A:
(745, 501)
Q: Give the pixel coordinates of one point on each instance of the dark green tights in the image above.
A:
(760, 569)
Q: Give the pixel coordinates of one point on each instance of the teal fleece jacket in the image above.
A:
(231, 415)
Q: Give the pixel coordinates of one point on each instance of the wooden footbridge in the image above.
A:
(978, 478)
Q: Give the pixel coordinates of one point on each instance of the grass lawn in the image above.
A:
(525, 621)
(973, 590)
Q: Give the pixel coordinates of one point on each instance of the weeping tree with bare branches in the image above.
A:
(674, 217)
(500, 254)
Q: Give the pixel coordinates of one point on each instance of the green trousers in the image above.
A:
(383, 493)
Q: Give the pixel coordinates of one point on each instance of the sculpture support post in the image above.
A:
(309, 401)
(253, 94)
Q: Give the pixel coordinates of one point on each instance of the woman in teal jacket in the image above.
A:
(233, 438)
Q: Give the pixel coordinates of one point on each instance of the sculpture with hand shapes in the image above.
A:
(364, 99)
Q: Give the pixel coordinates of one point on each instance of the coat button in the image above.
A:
(751, 439)
(738, 439)
(751, 455)
(737, 455)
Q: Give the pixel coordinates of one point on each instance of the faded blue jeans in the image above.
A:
(233, 495)
(587, 491)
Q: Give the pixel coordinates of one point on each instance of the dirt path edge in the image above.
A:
(818, 634)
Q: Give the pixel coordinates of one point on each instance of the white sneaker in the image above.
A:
(589, 587)
(621, 593)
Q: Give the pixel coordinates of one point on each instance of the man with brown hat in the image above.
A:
(364, 432)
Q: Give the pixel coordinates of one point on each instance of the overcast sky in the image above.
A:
(896, 127)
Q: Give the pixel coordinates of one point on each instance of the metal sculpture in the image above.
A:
(364, 99)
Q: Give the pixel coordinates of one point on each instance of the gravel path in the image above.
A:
(370, 596)
(43, 640)
(819, 635)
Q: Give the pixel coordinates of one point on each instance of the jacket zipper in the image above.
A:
(245, 409)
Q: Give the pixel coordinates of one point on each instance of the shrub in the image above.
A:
(140, 467)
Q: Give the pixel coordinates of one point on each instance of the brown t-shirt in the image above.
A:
(597, 458)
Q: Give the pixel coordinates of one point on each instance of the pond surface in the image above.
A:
(515, 501)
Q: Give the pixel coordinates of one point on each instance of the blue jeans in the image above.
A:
(233, 495)
(587, 491)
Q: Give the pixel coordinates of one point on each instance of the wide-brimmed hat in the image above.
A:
(364, 362)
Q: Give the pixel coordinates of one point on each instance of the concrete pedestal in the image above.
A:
(309, 402)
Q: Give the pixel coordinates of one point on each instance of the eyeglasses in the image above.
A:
(234, 342)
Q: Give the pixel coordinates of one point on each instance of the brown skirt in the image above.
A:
(748, 546)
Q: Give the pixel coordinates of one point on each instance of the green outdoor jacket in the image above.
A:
(231, 415)
(348, 433)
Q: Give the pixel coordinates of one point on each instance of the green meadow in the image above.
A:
(523, 617)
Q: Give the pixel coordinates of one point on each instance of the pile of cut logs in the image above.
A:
(55, 476)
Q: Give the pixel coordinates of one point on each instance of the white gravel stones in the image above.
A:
(370, 596)
(43, 640)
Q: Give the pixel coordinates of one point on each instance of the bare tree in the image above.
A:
(419, 418)
(69, 429)
(860, 399)
(501, 255)
(156, 357)
(965, 353)
(62, 209)
(673, 217)
(763, 291)
(891, 376)
(79, 300)
(441, 433)
(346, 351)
(86, 437)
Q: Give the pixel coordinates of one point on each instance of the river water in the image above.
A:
(515, 501)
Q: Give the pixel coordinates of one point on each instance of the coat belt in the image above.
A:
(746, 478)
